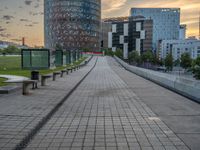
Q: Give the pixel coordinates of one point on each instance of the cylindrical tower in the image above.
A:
(72, 24)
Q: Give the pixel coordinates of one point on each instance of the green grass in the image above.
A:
(2, 82)
(12, 66)
(10, 63)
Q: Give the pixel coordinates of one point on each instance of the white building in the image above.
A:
(182, 32)
(178, 47)
(166, 22)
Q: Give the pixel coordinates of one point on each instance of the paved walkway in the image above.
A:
(112, 109)
(20, 114)
(179, 113)
(105, 113)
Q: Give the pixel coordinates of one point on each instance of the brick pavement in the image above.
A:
(179, 113)
(20, 114)
(104, 113)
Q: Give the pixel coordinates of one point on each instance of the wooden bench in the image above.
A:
(44, 78)
(77, 67)
(70, 69)
(74, 68)
(55, 74)
(25, 85)
(62, 72)
(67, 72)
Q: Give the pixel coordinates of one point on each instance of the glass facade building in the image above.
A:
(72, 24)
(166, 22)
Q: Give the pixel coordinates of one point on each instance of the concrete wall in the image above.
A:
(187, 87)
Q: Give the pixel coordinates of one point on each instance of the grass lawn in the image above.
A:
(2, 82)
(11, 65)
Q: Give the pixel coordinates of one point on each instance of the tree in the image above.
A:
(169, 62)
(147, 56)
(109, 52)
(177, 62)
(196, 68)
(157, 61)
(86, 50)
(12, 50)
(134, 57)
(119, 53)
(186, 61)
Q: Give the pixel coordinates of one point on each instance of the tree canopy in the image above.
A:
(134, 57)
(169, 62)
(186, 61)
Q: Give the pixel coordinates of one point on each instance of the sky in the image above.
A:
(24, 18)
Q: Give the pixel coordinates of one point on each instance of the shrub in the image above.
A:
(186, 61)
(169, 62)
(196, 68)
(119, 53)
(134, 57)
(109, 52)
(147, 56)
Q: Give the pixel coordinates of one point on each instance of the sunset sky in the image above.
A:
(24, 18)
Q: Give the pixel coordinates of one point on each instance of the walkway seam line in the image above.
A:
(26, 140)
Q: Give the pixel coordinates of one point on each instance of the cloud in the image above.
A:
(16, 40)
(37, 5)
(7, 17)
(35, 14)
(112, 5)
(2, 29)
(5, 35)
(28, 2)
(24, 20)
(29, 25)
(35, 22)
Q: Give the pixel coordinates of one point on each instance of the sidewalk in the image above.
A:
(103, 113)
(180, 114)
(20, 114)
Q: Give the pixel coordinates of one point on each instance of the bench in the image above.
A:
(25, 85)
(74, 68)
(44, 78)
(70, 69)
(62, 72)
(67, 72)
(77, 67)
(55, 74)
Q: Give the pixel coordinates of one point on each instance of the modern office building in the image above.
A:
(106, 27)
(178, 47)
(182, 32)
(72, 24)
(133, 33)
(166, 22)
